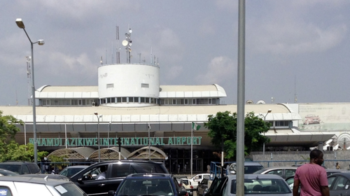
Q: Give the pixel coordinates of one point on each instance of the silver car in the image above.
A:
(29, 186)
(284, 172)
(258, 184)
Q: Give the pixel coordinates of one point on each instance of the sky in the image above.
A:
(298, 48)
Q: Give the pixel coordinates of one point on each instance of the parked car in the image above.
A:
(195, 180)
(186, 184)
(114, 172)
(29, 186)
(20, 167)
(249, 167)
(254, 184)
(339, 184)
(284, 172)
(202, 187)
(4, 172)
(71, 170)
(149, 184)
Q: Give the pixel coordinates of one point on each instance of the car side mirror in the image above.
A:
(111, 193)
(183, 193)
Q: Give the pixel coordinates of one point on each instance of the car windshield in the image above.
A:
(69, 189)
(131, 187)
(13, 168)
(262, 186)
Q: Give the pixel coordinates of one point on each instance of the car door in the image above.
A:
(117, 173)
(340, 186)
(87, 180)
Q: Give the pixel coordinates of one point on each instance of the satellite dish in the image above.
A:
(125, 43)
(344, 140)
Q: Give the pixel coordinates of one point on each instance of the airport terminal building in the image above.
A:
(155, 121)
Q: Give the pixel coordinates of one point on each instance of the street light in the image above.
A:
(268, 111)
(98, 135)
(41, 42)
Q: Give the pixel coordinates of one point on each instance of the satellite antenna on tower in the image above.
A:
(127, 43)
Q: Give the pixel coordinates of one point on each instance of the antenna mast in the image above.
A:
(29, 76)
(127, 43)
(295, 90)
(118, 49)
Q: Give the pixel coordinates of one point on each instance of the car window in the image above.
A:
(92, 173)
(263, 186)
(341, 183)
(72, 171)
(146, 186)
(25, 169)
(290, 181)
(64, 172)
(33, 168)
(69, 189)
(5, 191)
(13, 168)
(251, 169)
(290, 172)
(121, 170)
(330, 181)
(276, 172)
(148, 168)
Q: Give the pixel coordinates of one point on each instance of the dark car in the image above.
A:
(99, 178)
(339, 183)
(71, 170)
(4, 172)
(202, 186)
(20, 167)
(150, 184)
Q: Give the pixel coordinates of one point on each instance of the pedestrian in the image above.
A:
(185, 167)
(178, 168)
(312, 177)
(337, 166)
(45, 165)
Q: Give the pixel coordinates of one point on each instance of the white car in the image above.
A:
(29, 186)
(197, 179)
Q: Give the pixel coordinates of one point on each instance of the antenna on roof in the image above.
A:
(295, 90)
(127, 43)
(101, 61)
(118, 49)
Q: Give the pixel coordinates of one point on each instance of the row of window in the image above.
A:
(89, 102)
(281, 124)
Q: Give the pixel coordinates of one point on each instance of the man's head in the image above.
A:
(103, 168)
(316, 156)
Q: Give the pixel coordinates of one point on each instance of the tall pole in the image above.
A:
(240, 98)
(268, 111)
(21, 25)
(191, 150)
(149, 145)
(98, 138)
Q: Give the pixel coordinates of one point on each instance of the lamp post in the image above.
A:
(98, 135)
(20, 24)
(268, 111)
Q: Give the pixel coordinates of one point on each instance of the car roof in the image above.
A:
(50, 176)
(34, 180)
(15, 162)
(249, 163)
(257, 176)
(127, 161)
(282, 167)
(346, 174)
(78, 166)
(153, 175)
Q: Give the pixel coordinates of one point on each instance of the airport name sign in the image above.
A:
(125, 141)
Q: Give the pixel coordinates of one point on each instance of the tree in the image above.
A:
(9, 148)
(8, 130)
(222, 130)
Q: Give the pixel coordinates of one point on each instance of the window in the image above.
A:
(282, 123)
(119, 99)
(120, 170)
(186, 101)
(174, 101)
(182, 101)
(136, 99)
(110, 85)
(147, 100)
(194, 101)
(25, 169)
(210, 101)
(142, 100)
(144, 85)
(5, 191)
(131, 99)
(124, 99)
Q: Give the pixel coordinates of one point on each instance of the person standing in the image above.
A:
(337, 166)
(311, 177)
(185, 167)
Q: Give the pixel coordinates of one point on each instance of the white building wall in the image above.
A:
(125, 80)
